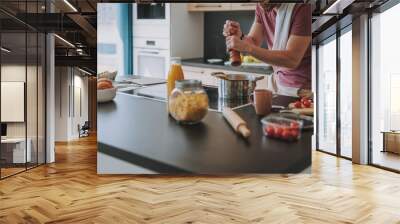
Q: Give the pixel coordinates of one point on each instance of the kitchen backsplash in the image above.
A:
(214, 41)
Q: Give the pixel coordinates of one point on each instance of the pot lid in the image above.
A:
(237, 77)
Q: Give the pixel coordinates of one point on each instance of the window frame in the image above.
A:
(333, 37)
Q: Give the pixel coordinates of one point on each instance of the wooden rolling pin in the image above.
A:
(237, 123)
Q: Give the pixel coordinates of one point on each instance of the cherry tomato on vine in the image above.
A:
(297, 104)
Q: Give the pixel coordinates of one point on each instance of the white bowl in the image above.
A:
(214, 60)
(105, 95)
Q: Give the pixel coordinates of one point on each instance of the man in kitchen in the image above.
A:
(286, 28)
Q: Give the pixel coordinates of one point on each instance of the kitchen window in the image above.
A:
(385, 89)
(346, 95)
(326, 100)
(334, 97)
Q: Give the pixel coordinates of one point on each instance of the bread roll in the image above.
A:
(104, 85)
(104, 80)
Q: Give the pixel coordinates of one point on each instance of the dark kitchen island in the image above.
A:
(136, 136)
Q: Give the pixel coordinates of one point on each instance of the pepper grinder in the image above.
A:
(234, 56)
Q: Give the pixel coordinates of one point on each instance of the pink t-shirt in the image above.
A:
(300, 26)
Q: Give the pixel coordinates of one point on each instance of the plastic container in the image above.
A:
(188, 102)
(275, 126)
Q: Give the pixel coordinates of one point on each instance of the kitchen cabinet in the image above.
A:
(171, 32)
(204, 75)
(244, 6)
(212, 7)
(208, 7)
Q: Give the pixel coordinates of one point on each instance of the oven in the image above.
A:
(151, 13)
(151, 43)
(151, 62)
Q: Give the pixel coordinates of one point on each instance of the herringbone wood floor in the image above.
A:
(70, 191)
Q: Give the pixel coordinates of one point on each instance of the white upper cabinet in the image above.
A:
(208, 7)
(214, 7)
(244, 6)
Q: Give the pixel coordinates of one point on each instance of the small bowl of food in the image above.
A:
(105, 90)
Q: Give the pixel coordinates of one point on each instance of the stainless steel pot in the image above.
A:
(236, 86)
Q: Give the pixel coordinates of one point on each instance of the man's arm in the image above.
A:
(255, 35)
(289, 58)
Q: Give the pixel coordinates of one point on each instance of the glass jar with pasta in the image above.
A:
(188, 102)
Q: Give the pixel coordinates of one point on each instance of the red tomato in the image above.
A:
(294, 133)
(307, 103)
(294, 124)
(297, 104)
(303, 99)
(270, 131)
(278, 132)
(286, 134)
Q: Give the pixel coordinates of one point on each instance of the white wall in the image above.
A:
(187, 32)
(12, 73)
(61, 103)
(70, 83)
(13, 101)
(81, 103)
(33, 126)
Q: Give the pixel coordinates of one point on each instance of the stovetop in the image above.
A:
(159, 92)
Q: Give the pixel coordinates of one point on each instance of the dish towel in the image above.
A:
(281, 35)
(282, 26)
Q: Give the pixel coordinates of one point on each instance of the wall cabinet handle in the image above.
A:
(208, 6)
(247, 4)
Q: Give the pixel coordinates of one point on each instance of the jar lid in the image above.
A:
(176, 60)
(188, 83)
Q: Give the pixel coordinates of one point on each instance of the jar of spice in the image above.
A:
(188, 102)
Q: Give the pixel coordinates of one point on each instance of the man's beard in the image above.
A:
(269, 6)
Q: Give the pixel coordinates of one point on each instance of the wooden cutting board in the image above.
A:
(304, 111)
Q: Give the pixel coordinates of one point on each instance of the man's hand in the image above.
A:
(235, 43)
(232, 28)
